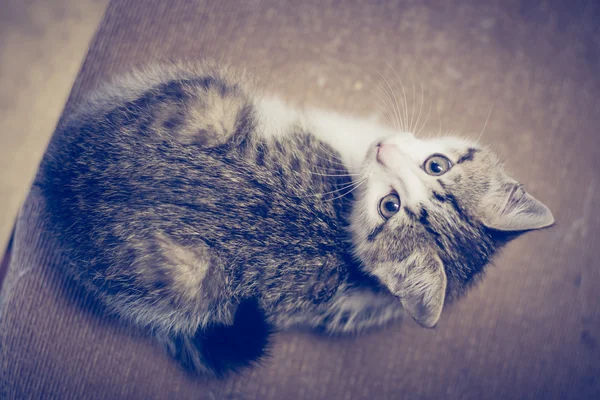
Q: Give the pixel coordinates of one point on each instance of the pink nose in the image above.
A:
(385, 151)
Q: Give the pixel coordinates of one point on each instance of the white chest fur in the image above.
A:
(349, 136)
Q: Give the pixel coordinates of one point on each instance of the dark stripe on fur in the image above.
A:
(410, 214)
(468, 156)
(375, 232)
(456, 206)
(438, 197)
(436, 236)
(423, 218)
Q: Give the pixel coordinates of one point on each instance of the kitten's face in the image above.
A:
(426, 220)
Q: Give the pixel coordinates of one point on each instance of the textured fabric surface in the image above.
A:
(530, 330)
(42, 46)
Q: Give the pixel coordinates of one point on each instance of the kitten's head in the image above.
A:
(431, 214)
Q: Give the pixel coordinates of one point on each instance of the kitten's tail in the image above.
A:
(219, 349)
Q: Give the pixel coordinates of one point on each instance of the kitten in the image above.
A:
(212, 217)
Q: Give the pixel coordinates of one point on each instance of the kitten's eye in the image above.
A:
(437, 165)
(389, 205)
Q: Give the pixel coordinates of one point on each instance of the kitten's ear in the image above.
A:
(422, 288)
(511, 208)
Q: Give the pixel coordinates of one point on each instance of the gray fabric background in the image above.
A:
(42, 46)
(530, 330)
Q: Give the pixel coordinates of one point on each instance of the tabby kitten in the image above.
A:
(210, 217)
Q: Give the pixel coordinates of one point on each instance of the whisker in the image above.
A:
(394, 96)
(337, 163)
(387, 113)
(334, 160)
(348, 192)
(420, 109)
(396, 114)
(486, 122)
(329, 153)
(344, 187)
(403, 91)
(343, 171)
(335, 175)
(347, 189)
(412, 114)
(427, 119)
(337, 159)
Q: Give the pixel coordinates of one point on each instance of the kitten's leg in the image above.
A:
(358, 310)
(350, 312)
